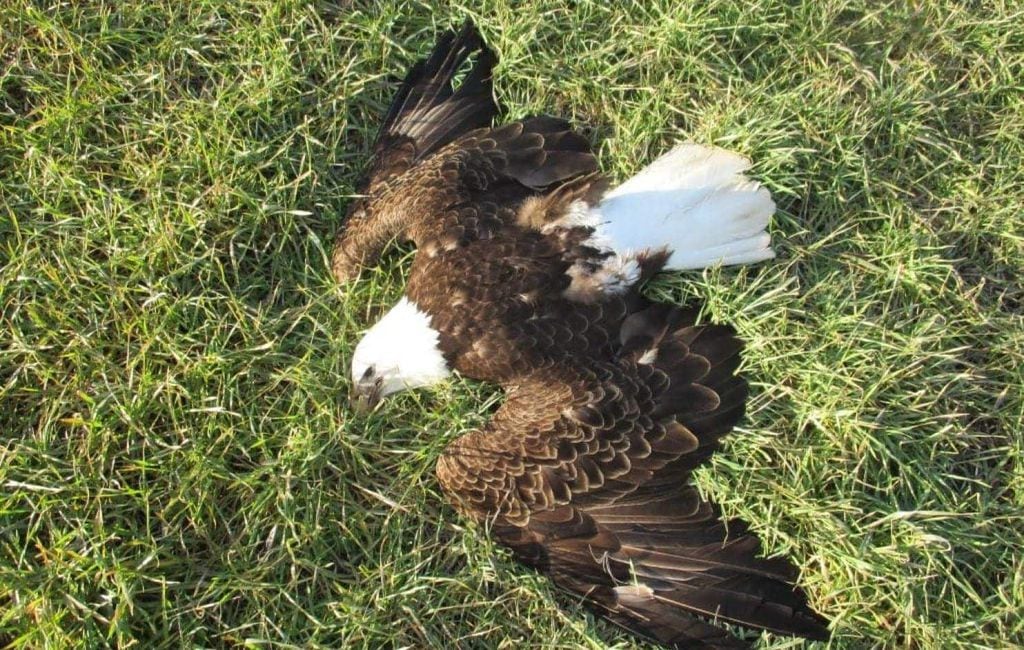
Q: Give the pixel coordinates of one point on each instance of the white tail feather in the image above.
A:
(695, 201)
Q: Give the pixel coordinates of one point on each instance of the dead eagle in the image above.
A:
(527, 275)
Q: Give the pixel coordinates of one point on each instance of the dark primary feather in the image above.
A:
(427, 112)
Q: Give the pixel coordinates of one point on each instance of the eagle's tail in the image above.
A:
(682, 558)
(694, 201)
(428, 109)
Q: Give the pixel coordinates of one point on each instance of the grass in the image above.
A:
(178, 467)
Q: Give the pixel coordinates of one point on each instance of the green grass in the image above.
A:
(178, 467)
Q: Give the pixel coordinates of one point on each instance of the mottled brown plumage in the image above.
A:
(583, 472)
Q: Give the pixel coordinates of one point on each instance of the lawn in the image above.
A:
(178, 464)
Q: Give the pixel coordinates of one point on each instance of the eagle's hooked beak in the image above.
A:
(366, 394)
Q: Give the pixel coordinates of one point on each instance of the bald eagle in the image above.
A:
(527, 275)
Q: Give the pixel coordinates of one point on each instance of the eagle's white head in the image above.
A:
(400, 351)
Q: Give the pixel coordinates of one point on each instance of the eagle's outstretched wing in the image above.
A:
(469, 189)
(583, 472)
(428, 112)
(435, 156)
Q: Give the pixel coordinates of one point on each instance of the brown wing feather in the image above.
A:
(582, 482)
(468, 190)
(427, 112)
